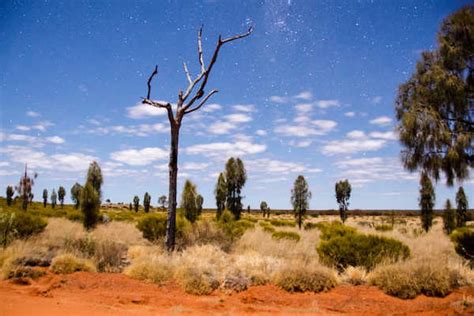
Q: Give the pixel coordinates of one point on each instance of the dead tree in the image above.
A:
(188, 102)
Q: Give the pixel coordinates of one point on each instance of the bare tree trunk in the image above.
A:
(173, 183)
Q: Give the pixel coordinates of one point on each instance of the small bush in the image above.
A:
(67, 263)
(195, 280)
(155, 269)
(269, 229)
(232, 228)
(463, 239)
(108, 255)
(19, 225)
(334, 229)
(355, 249)
(153, 226)
(278, 235)
(305, 279)
(383, 228)
(413, 278)
(355, 275)
(236, 281)
(282, 222)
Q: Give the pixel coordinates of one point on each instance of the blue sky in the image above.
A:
(310, 92)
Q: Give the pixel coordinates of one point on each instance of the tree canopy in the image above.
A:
(435, 107)
(300, 196)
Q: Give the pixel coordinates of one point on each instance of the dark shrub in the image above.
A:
(286, 235)
(463, 239)
(19, 225)
(153, 226)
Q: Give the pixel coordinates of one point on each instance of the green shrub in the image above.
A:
(19, 225)
(153, 226)
(463, 239)
(197, 281)
(282, 222)
(232, 228)
(334, 229)
(383, 228)
(278, 235)
(269, 229)
(305, 279)
(67, 263)
(343, 246)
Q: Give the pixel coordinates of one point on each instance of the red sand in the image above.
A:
(94, 294)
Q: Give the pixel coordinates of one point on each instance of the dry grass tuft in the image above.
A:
(68, 263)
(354, 275)
(303, 278)
(153, 268)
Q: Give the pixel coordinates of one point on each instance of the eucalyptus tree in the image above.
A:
(189, 101)
(162, 201)
(263, 208)
(45, 197)
(76, 194)
(9, 195)
(199, 204)
(300, 196)
(54, 199)
(61, 195)
(435, 106)
(25, 187)
(91, 196)
(136, 203)
(221, 194)
(146, 202)
(461, 208)
(236, 176)
(426, 201)
(449, 218)
(343, 194)
(189, 203)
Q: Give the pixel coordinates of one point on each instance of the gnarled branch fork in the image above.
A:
(185, 100)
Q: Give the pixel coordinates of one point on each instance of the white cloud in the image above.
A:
(261, 132)
(321, 127)
(301, 144)
(325, 125)
(195, 166)
(304, 107)
(141, 110)
(208, 108)
(391, 135)
(350, 146)
(304, 95)
(140, 157)
(349, 114)
(381, 121)
(356, 134)
(225, 149)
(140, 130)
(32, 114)
(23, 128)
(324, 104)
(55, 140)
(238, 118)
(278, 99)
(272, 166)
(221, 128)
(244, 107)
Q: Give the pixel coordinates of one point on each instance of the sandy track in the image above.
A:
(94, 294)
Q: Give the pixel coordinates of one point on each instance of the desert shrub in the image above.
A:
(310, 225)
(108, 255)
(305, 279)
(234, 229)
(383, 228)
(251, 219)
(463, 239)
(410, 279)
(83, 246)
(206, 231)
(75, 216)
(236, 281)
(355, 249)
(68, 263)
(19, 225)
(269, 229)
(286, 235)
(151, 268)
(196, 281)
(334, 229)
(14, 270)
(153, 226)
(282, 222)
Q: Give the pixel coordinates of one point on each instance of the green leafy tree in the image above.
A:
(136, 202)
(9, 194)
(61, 195)
(146, 202)
(300, 196)
(449, 218)
(263, 208)
(91, 196)
(343, 194)
(199, 203)
(221, 194)
(461, 208)
(434, 107)
(189, 201)
(25, 187)
(45, 197)
(236, 176)
(76, 190)
(163, 201)
(54, 199)
(426, 201)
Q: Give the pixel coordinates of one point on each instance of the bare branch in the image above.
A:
(154, 73)
(201, 58)
(202, 102)
(188, 76)
(236, 37)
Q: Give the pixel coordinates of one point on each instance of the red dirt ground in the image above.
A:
(95, 294)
